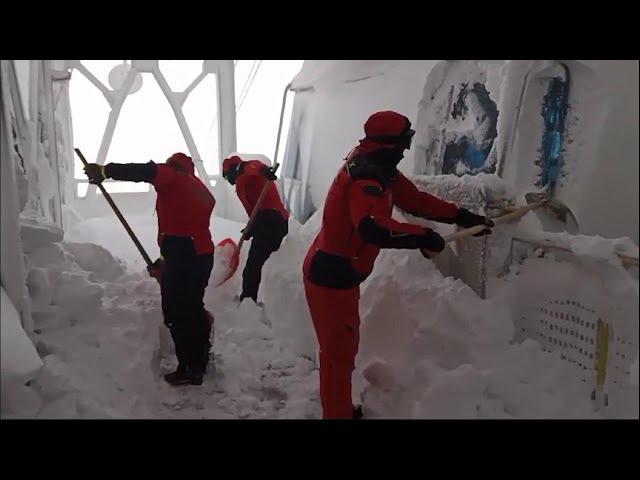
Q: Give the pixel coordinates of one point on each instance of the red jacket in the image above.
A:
(249, 185)
(184, 207)
(184, 203)
(339, 246)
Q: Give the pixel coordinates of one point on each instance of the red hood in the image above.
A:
(184, 161)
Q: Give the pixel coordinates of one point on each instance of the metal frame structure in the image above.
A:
(224, 74)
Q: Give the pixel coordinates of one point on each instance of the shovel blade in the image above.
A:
(554, 215)
(234, 261)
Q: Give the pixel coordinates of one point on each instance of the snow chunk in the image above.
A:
(38, 233)
(95, 259)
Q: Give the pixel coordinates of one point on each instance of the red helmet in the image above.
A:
(230, 167)
(181, 162)
(230, 162)
(389, 127)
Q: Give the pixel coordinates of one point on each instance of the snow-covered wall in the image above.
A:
(12, 271)
(334, 100)
(457, 118)
(610, 205)
(598, 178)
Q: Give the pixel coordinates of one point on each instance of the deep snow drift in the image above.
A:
(430, 348)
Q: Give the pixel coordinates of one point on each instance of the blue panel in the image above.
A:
(554, 112)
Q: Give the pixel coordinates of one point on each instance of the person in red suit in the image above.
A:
(356, 224)
(271, 222)
(184, 205)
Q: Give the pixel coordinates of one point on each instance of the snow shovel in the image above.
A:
(467, 232)
(116, 210)
(557, 217)
(235, 257)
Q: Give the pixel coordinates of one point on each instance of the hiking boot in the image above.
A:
(182, 377)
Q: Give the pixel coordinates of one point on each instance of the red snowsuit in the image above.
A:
(177, 191)
(270, 225)
(340, 259)
(184, 206)
(249, 185)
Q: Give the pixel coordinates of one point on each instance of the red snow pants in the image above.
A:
(337, 323)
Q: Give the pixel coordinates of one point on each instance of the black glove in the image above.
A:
(95, 173)
(156, 268)
(269, 173)
(247, 235)
(435, 244)
(467, 219)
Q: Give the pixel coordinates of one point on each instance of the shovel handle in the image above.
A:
(467, 232)
(257, 207)
(118, 214)
(626, 260)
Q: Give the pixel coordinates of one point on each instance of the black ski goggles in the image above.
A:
(232, 173)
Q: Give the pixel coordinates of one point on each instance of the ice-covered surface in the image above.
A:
(590, 246)
(37, 233)
(458, 108)
(457, 360)
(602, 118)
(20, 362)
(561, 300)
(431, 348)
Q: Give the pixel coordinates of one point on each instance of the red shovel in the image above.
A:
(235, 257)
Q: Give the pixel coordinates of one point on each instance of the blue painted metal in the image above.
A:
(554, 111)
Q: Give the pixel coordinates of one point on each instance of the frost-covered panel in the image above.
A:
(295, 169)
(64, 145)
(596, 149)
(584, 308)
(23, 72)
(12, 273)
(20, 361)
(608, 198)
(457, 119)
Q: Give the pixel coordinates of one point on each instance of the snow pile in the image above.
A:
(561, 301)
(457, 360)
(589, 246)
(95, 259)
(59, 285)
(36, 233)
(105, 349)
(430, 347)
